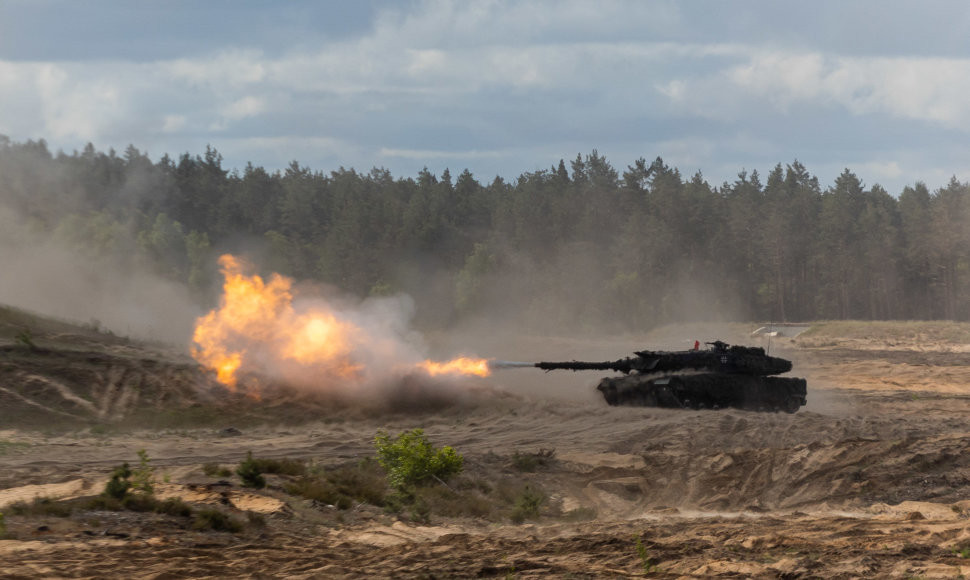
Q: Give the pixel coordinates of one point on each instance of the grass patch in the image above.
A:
(251, 470)
(174, 507)
(343, 486)
(12, 447)
(283, 466)
(213, 469)
(580, 514)
(40, 506)
(215, 520)
(530, 462)
(455, 503)
(135, 503)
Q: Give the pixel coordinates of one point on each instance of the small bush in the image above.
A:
(213, 519)
(527, 505)
(173, 507)
(139, 502)
(213, 469)
(143, 476)
(529, 462)
(250, 473)
(283, 466)
(102, 502)
(119, 483)
(410, 459)
(25, 339)
(648, 565)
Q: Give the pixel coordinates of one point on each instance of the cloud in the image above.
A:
(174, 123)
(225, 71)
(244, 107)
(924, 89)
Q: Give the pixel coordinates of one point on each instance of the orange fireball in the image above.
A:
(256, 328)
(256, 325)
(458, 366)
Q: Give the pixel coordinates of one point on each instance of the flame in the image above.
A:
(461, 365)
(257, 328)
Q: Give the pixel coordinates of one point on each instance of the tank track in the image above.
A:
(706, 391)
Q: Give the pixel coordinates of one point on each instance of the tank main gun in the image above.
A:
(719, 358)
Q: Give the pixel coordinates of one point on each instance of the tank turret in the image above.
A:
(717, 377)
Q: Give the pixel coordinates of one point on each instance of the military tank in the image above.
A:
(714, 378)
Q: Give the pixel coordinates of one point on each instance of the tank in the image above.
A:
(717, 377)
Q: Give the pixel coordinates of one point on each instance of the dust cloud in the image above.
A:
(48, 275)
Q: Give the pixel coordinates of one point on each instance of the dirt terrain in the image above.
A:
(870, 479)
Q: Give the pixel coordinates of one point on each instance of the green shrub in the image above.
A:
(646, 563)
(527, 505)
(174, 507)
(531, 461)
(143, 476)
(283, 466)
(139, 502)
(25, 339)
(213, 519)
(410, 459)
(250, 473)
(119, 483)
(213, 469)
(102, 502)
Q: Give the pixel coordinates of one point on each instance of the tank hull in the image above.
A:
(706, 391)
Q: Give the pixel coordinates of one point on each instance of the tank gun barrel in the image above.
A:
(623, 365)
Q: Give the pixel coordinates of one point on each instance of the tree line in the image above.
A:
(579, 243)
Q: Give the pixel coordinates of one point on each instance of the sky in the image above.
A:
(881, 87)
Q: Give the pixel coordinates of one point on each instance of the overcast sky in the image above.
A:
(501, 88)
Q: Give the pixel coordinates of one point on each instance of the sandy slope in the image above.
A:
(869, 480)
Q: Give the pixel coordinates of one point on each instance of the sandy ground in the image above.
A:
(870, 479)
